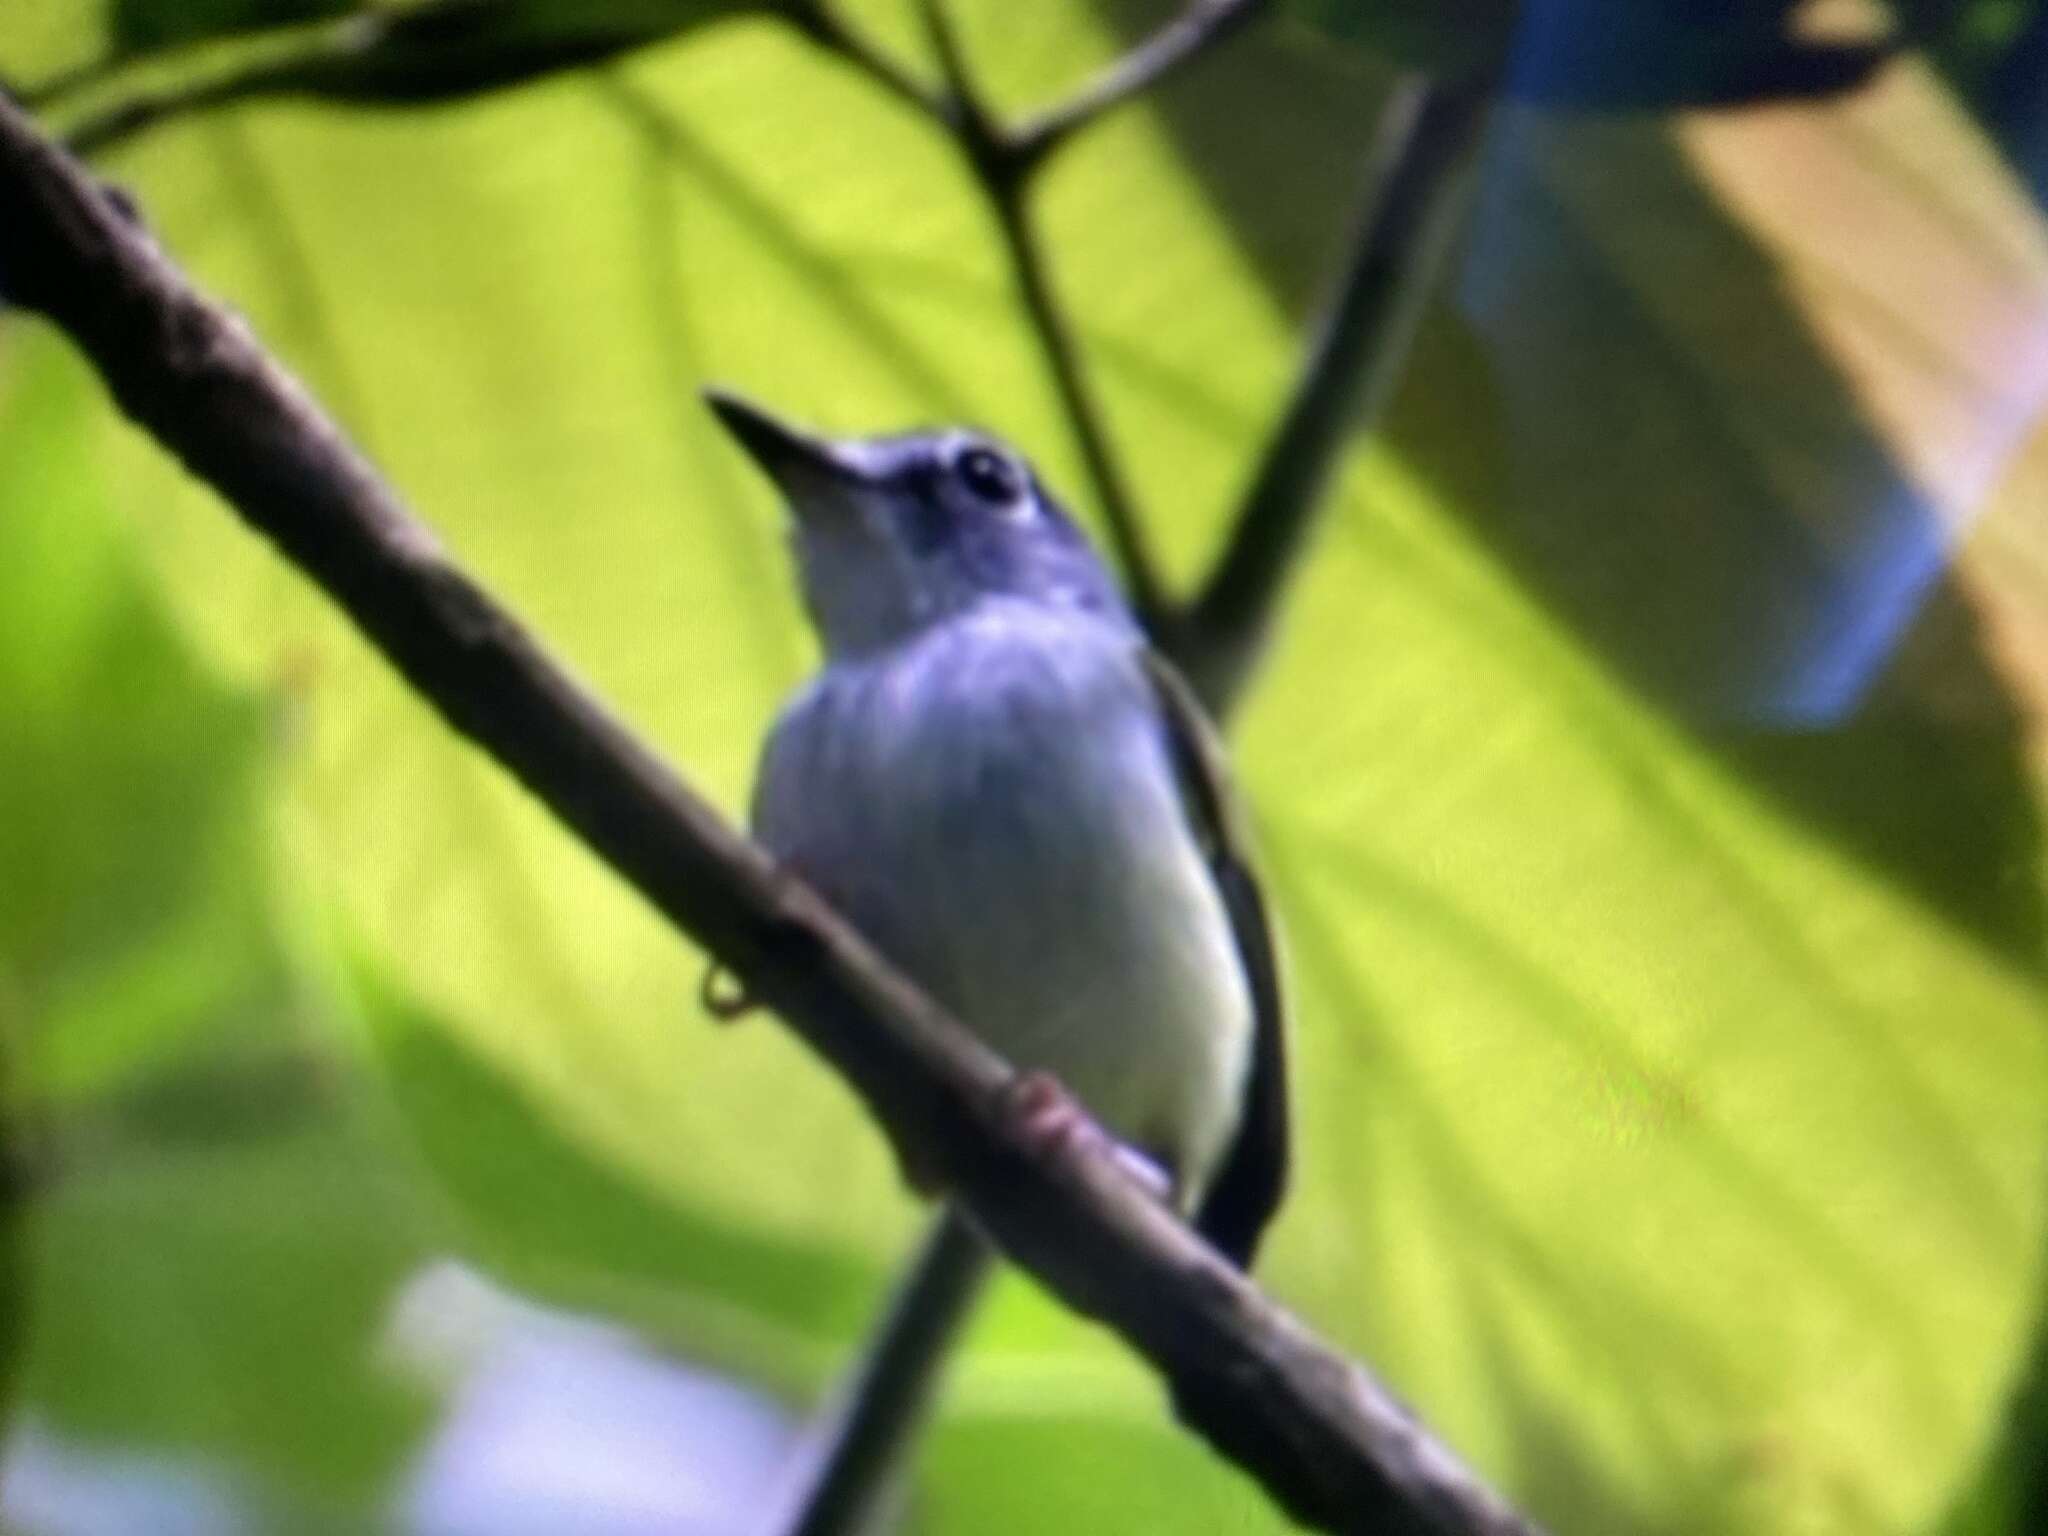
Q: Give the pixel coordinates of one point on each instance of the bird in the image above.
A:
(1021, 804)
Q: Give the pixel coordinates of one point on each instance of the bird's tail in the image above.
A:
(850, 1458)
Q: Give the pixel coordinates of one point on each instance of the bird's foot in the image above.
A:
(724, 996)
(1145, 1173)
(1051, 1119)
(1055, 1124)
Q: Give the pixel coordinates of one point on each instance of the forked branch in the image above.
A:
(1005, 161)
(1414, 188)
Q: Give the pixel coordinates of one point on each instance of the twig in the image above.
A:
(1414, 191)
(854, 1453)
(148, 109)
(1003, 171)
(1203, 25)
(1324, 1437)
(821, 24)
(436, 50)
(1120, 514)
(1004, 168)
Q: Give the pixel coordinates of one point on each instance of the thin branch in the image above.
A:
(1120, 514)
(964, 101)
(1324, 1437)
(1200, 27)
(144, 110)
(1415, 188)
(821, 24)
(437, 50)
(1003, 163)
(853, 1454)
(1004, 175)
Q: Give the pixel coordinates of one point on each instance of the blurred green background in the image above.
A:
(1649, 771)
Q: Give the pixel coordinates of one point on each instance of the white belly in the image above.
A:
(994, 807)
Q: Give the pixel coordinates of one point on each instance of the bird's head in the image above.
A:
(896, 534)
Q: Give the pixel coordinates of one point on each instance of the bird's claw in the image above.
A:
(1054, 1124)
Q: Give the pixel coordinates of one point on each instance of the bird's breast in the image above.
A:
(995, 807)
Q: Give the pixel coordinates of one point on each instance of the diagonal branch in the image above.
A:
(852, 1457)
(1324, 1437)
(1004, 172)
(1120, 513)
(1415, 189)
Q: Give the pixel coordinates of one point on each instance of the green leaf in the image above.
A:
(1022, 1470)
(2008, 1491)
(135, 915)
(206, 1225)
(228, 1303)
(570, 1225)
(1670, 1081)
(41, 41)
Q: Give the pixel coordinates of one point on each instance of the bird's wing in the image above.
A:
(1252, 1177)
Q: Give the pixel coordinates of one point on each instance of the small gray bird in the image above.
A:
(1020, 804)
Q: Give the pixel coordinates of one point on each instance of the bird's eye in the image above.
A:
(989, 475)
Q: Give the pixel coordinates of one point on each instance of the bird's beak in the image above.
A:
(806, 468)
